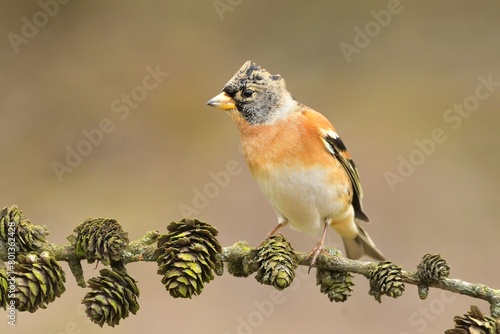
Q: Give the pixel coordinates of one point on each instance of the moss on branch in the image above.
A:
(189, 255)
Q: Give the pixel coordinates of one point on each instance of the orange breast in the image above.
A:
(294, 142)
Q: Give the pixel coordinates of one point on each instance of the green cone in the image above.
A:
(17, 230)
(276, 262)
(4, 288)
(39, 281)
(112, 298)
(187, 257)
(336, 284)
(100, 239)
(432, 268)
(474, 322)
(386, 279)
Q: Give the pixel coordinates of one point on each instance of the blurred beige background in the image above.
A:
(76, 68)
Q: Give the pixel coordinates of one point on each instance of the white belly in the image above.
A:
(304, 197)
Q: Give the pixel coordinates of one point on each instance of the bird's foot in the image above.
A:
(263, 241)
(314, 254)
(320, 247)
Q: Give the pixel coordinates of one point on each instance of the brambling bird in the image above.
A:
(298, 160)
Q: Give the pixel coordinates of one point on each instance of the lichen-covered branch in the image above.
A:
(189, 256)
(243, 256)
(240, 252)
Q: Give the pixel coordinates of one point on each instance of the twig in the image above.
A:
(143, 250)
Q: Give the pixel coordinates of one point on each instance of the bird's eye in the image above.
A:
(247, 92)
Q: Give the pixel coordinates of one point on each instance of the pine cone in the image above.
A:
(432, 268)
(39, 280)
(337, 284)
(276, 262)
(16, 230)
(4, 288)
(187, 257)
(114, 294)
(386, 279)
(474, 322)
(100, 239)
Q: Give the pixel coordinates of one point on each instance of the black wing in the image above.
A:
(339, 151)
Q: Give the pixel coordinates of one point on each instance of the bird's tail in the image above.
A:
(362, 245)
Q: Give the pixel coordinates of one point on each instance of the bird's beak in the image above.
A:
(222, 101)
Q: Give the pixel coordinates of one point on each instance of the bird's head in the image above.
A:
(256, 94)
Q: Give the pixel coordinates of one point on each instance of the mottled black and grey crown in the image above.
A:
(259, 96)
(250, 73)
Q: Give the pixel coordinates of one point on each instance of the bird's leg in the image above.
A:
(319, 247)
(282, 222)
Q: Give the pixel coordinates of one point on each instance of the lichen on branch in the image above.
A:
(188, 255)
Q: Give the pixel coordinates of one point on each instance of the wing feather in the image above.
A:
(336, 147)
